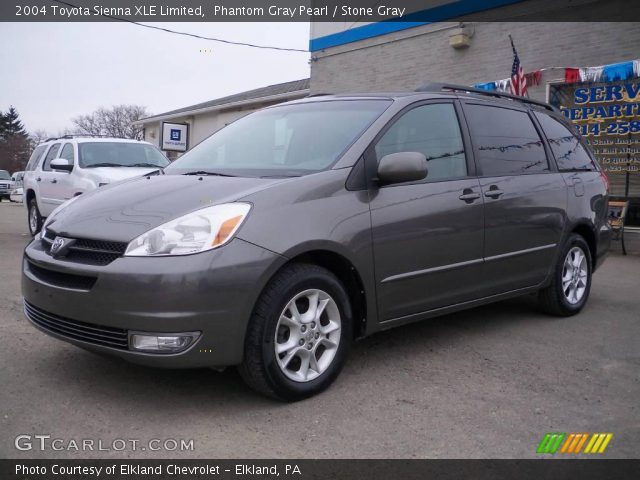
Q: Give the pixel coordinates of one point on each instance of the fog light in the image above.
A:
(162, 343)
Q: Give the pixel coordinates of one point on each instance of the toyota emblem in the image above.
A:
(57, 244)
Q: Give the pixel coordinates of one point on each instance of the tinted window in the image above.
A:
(35, 157)
(432, 130)
(53, 151)
(566, 147)
(506, 140)
(287, 140)
(67, 152)
(120, 154)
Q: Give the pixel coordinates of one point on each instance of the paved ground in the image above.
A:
(484, 383)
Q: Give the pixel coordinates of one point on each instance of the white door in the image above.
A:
(46, 185)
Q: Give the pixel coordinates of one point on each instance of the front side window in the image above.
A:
(432, 130)
(35, 157)
(120, 154)
(566, 147)
(67, 153)
(287, 140)
(507, 142)
(53, 152)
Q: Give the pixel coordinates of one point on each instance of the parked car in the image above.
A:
(16, 195)
(17, 178)
(62, 168)
(291, 232)
(6, 185)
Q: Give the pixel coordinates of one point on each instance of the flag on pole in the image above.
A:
(518, 79)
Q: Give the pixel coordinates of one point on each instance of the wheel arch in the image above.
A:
(344, 269)
(28, 195)
(586, 231)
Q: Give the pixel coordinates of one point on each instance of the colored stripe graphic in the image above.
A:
(598, 443)
(572, 443)
(550, 443)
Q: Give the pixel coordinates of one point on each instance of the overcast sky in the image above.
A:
(52, 72)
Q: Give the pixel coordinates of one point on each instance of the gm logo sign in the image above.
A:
(573, 443)
(175, 134)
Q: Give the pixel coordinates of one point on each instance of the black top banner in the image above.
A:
(353, 11)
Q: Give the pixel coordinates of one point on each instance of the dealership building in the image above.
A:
(194, 123)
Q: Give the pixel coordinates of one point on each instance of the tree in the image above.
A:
(116, 121)
(15, 146)
(38, 137)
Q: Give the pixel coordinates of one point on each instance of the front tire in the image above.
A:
(569, 289)
(34, 219)
(299, 334)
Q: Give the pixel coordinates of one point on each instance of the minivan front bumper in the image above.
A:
(97, 307)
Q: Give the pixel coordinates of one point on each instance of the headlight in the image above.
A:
(195, 232)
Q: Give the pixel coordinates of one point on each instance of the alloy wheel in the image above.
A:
(575, 275)
(33, 219)
(307, 335)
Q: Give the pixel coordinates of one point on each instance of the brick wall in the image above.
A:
(405, 60)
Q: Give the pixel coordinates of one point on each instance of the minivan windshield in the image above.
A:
(4, 175)
(288, 140)
(120, 154)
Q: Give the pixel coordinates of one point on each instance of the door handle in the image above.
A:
(54, 181)
(38, 179)
(469, 196)
(493, 192)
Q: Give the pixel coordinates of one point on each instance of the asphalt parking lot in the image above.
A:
(486, 383)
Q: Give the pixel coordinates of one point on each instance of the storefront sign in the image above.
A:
(174, 137)
(608, 115)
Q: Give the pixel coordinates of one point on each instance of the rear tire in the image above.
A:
(34, 219)
(571, 283)
(299, 334)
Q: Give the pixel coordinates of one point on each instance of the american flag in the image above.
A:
(518, 80)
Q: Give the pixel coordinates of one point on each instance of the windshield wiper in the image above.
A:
(204, 172)
(280, 176)
(152, 165)
(584, 168)
(104, 164)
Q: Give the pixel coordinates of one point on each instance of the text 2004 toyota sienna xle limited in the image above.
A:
(287, 234)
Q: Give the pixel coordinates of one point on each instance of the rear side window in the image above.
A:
(566, 147)
(67, 152)
(35, 157)
(432, 130)
(507, 142)
(53, 151)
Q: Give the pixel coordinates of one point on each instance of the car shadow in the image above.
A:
(129, 387)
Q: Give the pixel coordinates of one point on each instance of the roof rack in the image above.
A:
(438, 87)
(83, 135)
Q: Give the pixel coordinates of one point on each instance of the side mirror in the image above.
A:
(61, 164)
(402, 167)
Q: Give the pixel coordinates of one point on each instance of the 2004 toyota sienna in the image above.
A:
(280, 239)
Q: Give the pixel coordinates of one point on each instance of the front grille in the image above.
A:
(90, 252)
(59, 279)
(86, 332)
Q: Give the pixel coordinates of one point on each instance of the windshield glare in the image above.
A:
(120, 154)
(283, 141)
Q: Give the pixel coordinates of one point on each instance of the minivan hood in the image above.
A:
(115, 174)
(125, 210)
